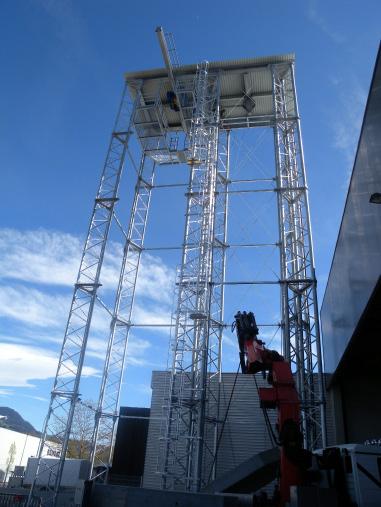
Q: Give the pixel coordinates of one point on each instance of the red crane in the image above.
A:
(282, 395)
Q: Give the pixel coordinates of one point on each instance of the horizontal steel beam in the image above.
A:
(232, 245)
(225, 325)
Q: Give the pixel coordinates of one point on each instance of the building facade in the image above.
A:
(15, 449)
(242, 428)
(350, 314)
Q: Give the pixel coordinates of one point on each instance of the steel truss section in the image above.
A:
(158, 140)
(300, 320)
(192, 404)
(107, 410)
(152, 128)
(65, 392)
(190, 432)
(216, 310)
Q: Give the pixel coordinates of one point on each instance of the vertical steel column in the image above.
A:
(216, 310)
(300, 319)
(192, 361)
(107, 410)
(64, 395)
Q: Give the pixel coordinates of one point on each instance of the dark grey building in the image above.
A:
(351, 309)
(130, 446)
(242, 435)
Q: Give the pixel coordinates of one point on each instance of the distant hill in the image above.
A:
(12, 420)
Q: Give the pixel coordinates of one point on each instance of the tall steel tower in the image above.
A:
(186, 115)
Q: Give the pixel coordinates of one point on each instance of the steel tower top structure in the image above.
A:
(185, 115)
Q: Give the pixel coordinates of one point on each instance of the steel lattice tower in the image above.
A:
(301, 332)
(185, 115)
(196, 347)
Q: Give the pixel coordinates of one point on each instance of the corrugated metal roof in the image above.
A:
(238, 78)
(225, 65)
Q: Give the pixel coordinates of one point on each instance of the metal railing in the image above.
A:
(19, 499)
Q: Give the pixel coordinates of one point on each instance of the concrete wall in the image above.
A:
(123, 496)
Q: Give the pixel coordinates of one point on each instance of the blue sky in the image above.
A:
(62, 76)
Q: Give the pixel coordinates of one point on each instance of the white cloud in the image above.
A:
(136, 351)
(228, 340)
(153, 314)
(39, 256)
(348, 117)
(33, 307)
(52, 258)
(38, 398)
(38, 269)
(6, 392)
(20, 364)
(156, 280)
(44, 315)
(317, 19)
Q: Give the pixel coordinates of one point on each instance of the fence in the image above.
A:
(19, 499)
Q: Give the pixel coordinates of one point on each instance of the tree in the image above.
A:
(79, 445)
(81, 431)
(10, 459)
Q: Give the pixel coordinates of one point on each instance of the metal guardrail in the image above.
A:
(19, 499)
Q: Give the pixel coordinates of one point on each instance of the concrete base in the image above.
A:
(123, 496)
(312, 496)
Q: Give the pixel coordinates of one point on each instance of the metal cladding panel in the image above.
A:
(234, 109)
(355, 268)
(73, 471)
(160, 386)
(244, 433)
(231, 83)
(258, 81)
(151, 88)
(250, 76)
(330, 415)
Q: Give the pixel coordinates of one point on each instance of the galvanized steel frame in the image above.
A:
(106, 416)
(65, 392)
(300, 317)
(197, 337)
(192, 406)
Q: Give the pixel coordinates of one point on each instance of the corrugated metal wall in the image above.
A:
(244, 434)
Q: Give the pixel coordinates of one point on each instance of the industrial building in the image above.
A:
(15, 449)
(350, 313)
(242, 432)
(130, 446)
(205, 424)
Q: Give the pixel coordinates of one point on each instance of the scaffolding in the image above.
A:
(301, 331)
(185, 115)
(196, 349)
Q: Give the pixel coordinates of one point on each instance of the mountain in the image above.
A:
(12, 420)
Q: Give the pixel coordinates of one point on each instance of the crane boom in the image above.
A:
(282, 395)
